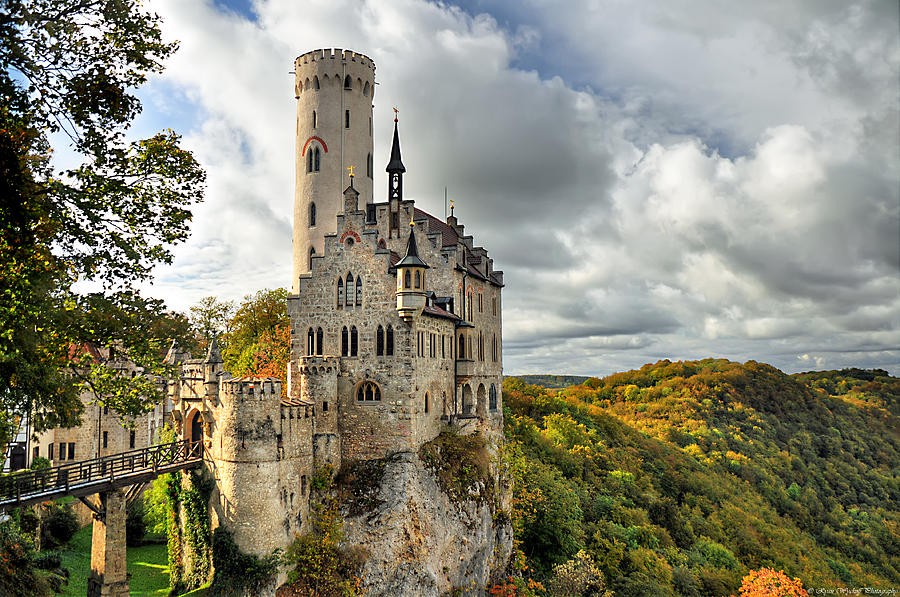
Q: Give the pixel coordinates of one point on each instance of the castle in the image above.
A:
(395, 326)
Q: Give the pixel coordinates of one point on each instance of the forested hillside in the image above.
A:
(680, 478)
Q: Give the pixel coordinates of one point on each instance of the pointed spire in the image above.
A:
(396, 164)
(411, 259)
(213, 355)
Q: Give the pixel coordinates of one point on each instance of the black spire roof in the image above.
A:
(396, 164)
(411, 259)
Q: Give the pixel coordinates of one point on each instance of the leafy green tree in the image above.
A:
(68, 68)
(258, 340)
(210, 318)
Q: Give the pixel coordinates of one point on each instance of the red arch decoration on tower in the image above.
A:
(314, 138)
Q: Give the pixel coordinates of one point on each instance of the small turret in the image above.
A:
(212, 367)
(351, 195)
(411, 287)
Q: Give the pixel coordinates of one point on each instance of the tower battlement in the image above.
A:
(245, 388)
(335, 54)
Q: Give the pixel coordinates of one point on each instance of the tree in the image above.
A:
(765, 582)
(69, 67)
(258, 340)
(210, 318)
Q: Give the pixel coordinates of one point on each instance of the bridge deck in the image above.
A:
(98, 474)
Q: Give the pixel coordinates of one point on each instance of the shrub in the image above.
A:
(135, 527)
(58, 526)
(40, 463)
(235, 571)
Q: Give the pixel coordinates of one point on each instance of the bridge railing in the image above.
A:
(16, 486)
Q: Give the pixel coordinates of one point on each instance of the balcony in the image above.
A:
(465, 368)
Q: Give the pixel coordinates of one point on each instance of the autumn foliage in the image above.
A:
(765, 582)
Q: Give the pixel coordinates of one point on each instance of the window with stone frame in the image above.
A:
(340, 293)
(320, 342)
(354, 341)
(359, 289)
(379, 341)
(368, 391)
(349, 295)
(345, 342)
(310, 342)
(389, 341)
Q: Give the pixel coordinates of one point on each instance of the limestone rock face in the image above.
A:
(419, 541)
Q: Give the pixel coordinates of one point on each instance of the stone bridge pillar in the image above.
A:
(109, 575)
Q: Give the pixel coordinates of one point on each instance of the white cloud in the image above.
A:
(657, 180)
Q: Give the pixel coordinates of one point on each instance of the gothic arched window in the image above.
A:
(359, 291)
(354, 341)
(418, 279)
(340, 298)
(310, 343)
(315, 82)
(389, 343)
(349, 297)
(348, 82)
(379, 341)
(320, 341)
(426, 402)
(344, 342)
(368, 391)
(492, 397)
(312, 214)
(462, 347)
(317, 156)
(312, 251)
(315, 120)
(407, 281)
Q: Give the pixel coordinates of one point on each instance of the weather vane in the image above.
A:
(350, 170)
(396, 112)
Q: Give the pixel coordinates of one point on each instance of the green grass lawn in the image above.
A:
(147, 565)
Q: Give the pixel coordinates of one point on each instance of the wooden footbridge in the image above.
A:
(117, 479)
(87, 477)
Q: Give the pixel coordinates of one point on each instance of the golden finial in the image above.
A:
(350, 170)
(451, 207)
(411, 222)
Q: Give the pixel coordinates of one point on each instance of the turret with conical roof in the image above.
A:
(411, 288)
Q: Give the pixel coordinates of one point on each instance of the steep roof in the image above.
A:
(396, 164)
(449, 238)
(411, 259)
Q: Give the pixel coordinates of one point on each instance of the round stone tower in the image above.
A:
(334, 90)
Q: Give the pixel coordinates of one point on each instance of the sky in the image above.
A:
(665, 179)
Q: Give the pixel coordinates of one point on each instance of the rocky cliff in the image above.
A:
(429, 523)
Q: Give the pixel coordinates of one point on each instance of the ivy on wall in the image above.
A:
(190, 538)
